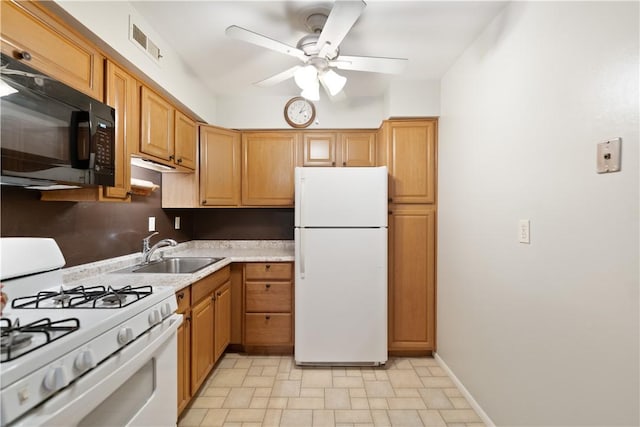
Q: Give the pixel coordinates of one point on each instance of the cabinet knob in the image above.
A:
(213, 298)
(24, 55)
(390, 199)
(333, 163)
(204, 202)
(344, 163)
(268, 285)
(179, 160)
(171, 157)
(267, 317)
(181, 295)
(219, 293)
(188, 318)
(390, 212)
(268, 266)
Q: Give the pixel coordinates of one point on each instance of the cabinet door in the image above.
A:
(184, 362)
(219, 167)
(412, 161)
(185, 139)
(412, 278)
(268, 162)
(156, 122)
(202, 360)
(121, 94)
(319, 149)
(222, 333)
(53, 48)
(358, 149)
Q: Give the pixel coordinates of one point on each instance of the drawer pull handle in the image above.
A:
(268, 285)
(24, 55)
(181, 295)
(267, 317)
(268, 266)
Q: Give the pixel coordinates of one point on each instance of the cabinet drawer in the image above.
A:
(183, 296)
(206, 286)
(268, 329)
(268, 270)
(271, 297)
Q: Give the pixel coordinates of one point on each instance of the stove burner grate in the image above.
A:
(16, 339)
(85, 297)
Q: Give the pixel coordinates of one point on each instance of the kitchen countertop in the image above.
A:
(105, 272)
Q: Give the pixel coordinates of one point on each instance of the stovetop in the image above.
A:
(104, 297)
(20, 339)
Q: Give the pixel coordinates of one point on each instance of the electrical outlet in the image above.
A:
(176, 223)
(152, 223)
(523, 231)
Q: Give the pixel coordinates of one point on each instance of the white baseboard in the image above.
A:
(476, 407)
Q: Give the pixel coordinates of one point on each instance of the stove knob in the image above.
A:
(125, 335)
(165, 310)
(55, 379)
(154, 317)
(84, 361)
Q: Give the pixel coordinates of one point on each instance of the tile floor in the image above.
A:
(271, 391)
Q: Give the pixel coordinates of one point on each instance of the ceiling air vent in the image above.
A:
(140, 39)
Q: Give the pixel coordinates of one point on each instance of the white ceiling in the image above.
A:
(430, 34)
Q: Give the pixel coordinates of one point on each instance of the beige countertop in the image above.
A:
(105, 272)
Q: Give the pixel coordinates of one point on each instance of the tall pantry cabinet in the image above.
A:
(409, 149)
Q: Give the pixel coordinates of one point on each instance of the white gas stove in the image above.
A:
(70, 348)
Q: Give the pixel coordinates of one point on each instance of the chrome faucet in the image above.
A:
(147, 251)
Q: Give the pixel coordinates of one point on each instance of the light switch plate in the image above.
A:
(609, 156)
(152, 223)
(176, 223)
(523, 231)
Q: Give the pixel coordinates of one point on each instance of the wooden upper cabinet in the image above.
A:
(319, 149)
(412, 246)
(156, 125)
(358, 149)
(410, 147)
(186, 139)
(121, 94)
(344, 148)
(268, 162)
(219, 166)
(52, 47)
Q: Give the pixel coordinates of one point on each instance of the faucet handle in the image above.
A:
(145, 241)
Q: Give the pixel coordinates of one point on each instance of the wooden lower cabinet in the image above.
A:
(184, 348)
(412, 245)
(222, 323)
(205, 331)
(268, 307)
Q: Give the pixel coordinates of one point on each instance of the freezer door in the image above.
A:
(341, 197)
(341, 296)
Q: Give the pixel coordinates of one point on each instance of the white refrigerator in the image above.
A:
(341, 266)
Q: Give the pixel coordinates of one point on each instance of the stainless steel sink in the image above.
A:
(173, 265)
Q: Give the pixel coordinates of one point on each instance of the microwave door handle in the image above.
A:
(80, 140)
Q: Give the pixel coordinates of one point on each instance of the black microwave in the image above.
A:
(52, 136)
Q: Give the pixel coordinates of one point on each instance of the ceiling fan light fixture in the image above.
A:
(306, 76)
(333, 81)
(312, 91)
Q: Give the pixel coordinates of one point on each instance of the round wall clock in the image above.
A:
(299, 112)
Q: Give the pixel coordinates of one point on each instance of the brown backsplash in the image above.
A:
(90, 231)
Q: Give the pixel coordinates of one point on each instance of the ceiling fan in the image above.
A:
(320, 51)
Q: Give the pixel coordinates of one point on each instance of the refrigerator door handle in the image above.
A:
(301, 248)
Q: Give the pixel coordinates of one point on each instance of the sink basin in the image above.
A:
(175, 265)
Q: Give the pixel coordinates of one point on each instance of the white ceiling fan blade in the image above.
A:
(342, 17)
(370, 63)
(280, 77)
(248, 36)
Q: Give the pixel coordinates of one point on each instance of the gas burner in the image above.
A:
(114, 298)
(19, 340)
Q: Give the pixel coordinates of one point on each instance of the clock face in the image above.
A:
(299, 112)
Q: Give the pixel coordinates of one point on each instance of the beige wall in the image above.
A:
(546, 333)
